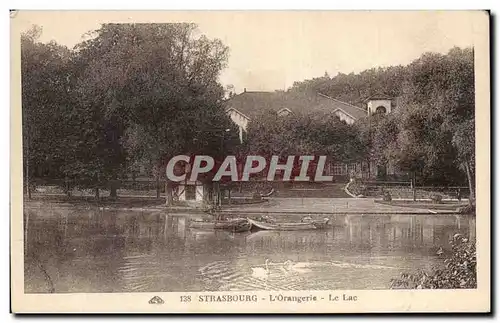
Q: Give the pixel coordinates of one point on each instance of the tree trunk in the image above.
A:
(169, 201)
(472, 195)
(222, 193)
(113, 190)
(67, 187)
(158, 191)
(97, 193)
(217, 195)
(414, 184)
(113, 193)
(369, 168)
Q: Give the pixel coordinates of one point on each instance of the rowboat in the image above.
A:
(241, 227)
(234, 225)
(312, 225)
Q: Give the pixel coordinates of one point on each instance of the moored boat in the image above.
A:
(277, 226)
(234, 225)
(242, 227)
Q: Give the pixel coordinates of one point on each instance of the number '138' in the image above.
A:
(185, 299)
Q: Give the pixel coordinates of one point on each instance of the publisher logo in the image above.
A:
(156, 300)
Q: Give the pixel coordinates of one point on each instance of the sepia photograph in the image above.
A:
(213, 161)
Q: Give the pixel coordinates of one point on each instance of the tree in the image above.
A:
(229, 91)
(157, 84)
(303, 134)
(46, 107)
(464, 141)
(431, 132)
(443, 87)
(355, 88)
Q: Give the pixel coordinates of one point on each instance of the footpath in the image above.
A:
(327, 206)
(272, 206)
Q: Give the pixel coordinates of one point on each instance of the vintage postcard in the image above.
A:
(250, 161)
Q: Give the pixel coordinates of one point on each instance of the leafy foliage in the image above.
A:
(152, 84)
(458, 270)
(355, 88)
(431, 132)
(47, 105)
(132, 94)
(303, 134)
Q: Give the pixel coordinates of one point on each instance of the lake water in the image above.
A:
(76, 251)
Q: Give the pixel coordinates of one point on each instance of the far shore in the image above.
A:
(271, 206)
(450, 205)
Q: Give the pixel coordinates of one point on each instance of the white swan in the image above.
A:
(286, 267)
(259, 272)
(299, 267)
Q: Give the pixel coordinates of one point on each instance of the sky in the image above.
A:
(271, 50)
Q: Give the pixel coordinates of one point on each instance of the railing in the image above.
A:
(407, 190)
(387, 183)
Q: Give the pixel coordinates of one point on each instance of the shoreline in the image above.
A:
(197, 211)
(268, 206)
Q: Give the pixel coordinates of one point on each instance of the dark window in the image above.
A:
(381, 109)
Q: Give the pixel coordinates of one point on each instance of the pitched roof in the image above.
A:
(352, 110)
(378, 97)
(251, 104)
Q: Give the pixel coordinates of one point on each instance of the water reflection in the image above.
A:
(119, 251)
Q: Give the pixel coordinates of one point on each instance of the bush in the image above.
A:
(458, 271)
(468, 209)
(256, 196)
(387, 197)
(436, 198)
(357, 188)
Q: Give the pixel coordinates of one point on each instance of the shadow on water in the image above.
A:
(124, 251)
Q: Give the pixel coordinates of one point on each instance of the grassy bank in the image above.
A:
(120, 202)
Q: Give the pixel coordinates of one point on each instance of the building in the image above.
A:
(379, 104)
(248, 104)
(190, 191)
(193, 193)
(242, 107)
